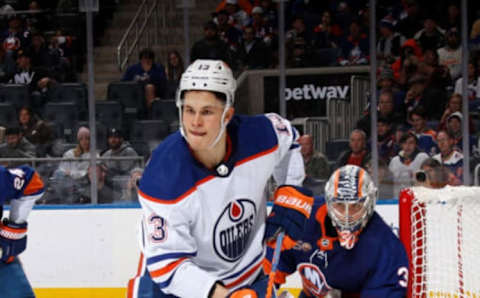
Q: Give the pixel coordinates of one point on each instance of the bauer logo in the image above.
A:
(313, 279)
(233, 229)
(312, 92)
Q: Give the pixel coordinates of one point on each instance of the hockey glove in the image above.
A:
(243, 292)
(13, 240)
(291, 208)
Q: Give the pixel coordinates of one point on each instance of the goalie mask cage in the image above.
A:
(440, 229)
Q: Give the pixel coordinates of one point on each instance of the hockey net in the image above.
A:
(440, 229)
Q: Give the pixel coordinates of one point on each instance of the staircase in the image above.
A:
(170, 37)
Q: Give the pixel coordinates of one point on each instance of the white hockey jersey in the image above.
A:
(201, 226)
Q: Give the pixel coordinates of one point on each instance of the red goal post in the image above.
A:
(440, 229)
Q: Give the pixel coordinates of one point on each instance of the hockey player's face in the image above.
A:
(202, 114)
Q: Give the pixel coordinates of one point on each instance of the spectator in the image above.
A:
(245, 5)
(431, 99)
(390, 42)
(410, 22)
(432, 174)
(240, 17)
(118, 147)
(34, 19)
(298, 31)
(386, 109)
(454, 105)
(151, 75)
(436, 74)
(61, 50)
(129, 193)
(38, 80)
(386, 141)
(40, 52)
(35, 130)
(453, 18)
(451, 54)
(105, 191)
(315, 163)
(425, 135)
(449, 157)
(211, 46)
(261, 28)
(7, 67)
(473, 84)
(454, 128)
(474, 41)
(357, 154)
(175, 68)
(253, 53)
(406, 163)
(14, 38)
(431, 36)
(407, 65)
(269, 12)
(386, 82)
(327, 34)
(76, 170)
(385, 179)
(355, 46)
(298, 53)
(227, 32)
(16, 146)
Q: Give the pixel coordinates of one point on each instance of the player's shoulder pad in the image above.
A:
(171, 172)
(251, 135)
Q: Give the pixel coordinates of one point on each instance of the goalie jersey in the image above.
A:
(376, 267)
(20, 186)
(205, 225)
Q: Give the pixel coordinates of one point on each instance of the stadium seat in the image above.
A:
(334, 148)
(142, 148)
(130, 94)
(109, 113)
(72, 92)
(65, 114)
(165, 110)
(151, 131)
(8, 114)
(16, 94)
(326, 57)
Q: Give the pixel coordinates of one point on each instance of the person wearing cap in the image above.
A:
(390, 43)
(118, 147)
(449, 157)
(451, 54)
(408, 161)
(16, 145)
(261, 27)
(454, 127)
(238, 14)
(151, 75)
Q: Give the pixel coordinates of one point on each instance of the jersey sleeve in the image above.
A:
(24, 186)
(390, 275)
(169, 247)
(290, 168)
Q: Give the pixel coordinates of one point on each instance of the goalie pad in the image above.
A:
(13, 240)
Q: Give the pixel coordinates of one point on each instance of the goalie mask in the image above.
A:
(207, 75)
(351, 196)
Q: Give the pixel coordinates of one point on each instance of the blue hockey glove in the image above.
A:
(291, 208)
(13, 240)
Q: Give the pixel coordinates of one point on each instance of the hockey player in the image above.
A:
(202, 193)
(346, 245)
(21, 186)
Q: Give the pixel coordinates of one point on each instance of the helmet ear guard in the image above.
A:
(207, 75)
(351, 196)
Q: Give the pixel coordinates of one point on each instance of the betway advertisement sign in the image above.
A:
(307, 95)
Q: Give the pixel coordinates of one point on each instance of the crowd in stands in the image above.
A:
(419, 83)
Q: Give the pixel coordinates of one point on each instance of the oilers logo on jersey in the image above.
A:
(233, 228)
(313, 279)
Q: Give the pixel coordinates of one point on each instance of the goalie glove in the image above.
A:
(13, 240)
(291, 208)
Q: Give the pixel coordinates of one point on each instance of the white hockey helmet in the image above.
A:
(351, 196)
(208, 75)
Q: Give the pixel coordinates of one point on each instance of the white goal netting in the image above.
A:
(443, 240)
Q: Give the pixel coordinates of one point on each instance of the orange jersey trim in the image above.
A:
(188, 192)
(279, 277)
(35, 185)
(259, 154)
(167, 268)
(244, 276)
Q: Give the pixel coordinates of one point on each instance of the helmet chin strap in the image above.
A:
(222, 127)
